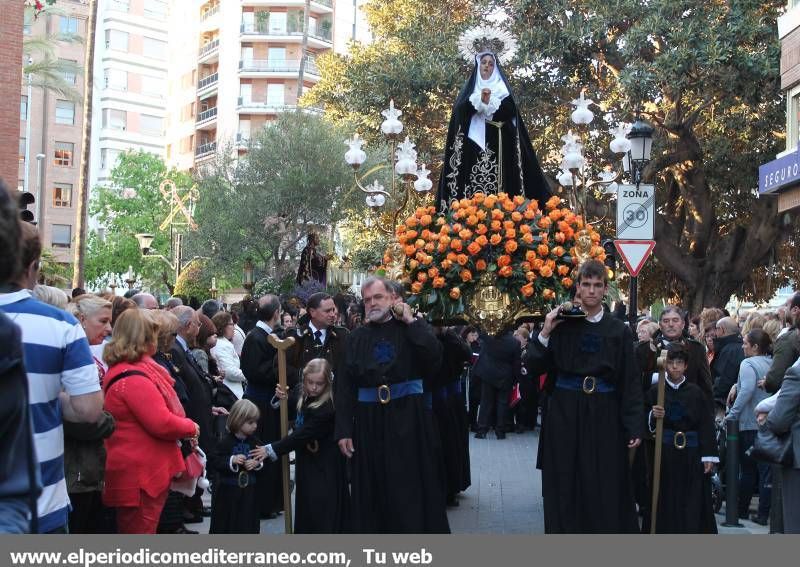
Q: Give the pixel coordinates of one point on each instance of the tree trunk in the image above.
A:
(303, 50)
(86, 138)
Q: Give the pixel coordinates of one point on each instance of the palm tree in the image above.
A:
(44, 69)
(83, 183)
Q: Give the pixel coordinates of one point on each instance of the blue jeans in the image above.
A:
(14, 516)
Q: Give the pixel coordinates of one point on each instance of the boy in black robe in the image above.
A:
(382, 423)
(689, 452)
(594, 415)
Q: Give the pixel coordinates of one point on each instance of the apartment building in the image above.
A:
(50, 129)
(130, 70)
(10, 61)
(781, 177)
(235, 64)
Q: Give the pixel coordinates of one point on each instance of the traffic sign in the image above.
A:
(634, 253)
(636, 207)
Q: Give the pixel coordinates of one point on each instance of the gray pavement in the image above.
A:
(506, 492)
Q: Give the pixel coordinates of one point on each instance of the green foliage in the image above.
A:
(131, 204)
(292, 180)
(194, 281)
(45, 69)
(705, 74)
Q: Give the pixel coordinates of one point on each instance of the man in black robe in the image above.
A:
(594, 416)
(259, 366)
(488, 148)
(689, 451)
(382, 423)
(671, 326)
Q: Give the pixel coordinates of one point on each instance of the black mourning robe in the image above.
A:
(199, 394)
(508, 164)
(260, 366)
(585, 473)
(684, 497)
(451, 413)
(322, 499)
(234, 510)
(395, 486)
(313, 266)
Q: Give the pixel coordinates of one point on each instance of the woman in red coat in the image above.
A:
(143, 454)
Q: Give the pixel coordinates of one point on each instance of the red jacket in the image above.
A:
(142, 453)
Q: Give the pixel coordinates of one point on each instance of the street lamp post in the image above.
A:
(213, 290)
(635, 161)
(248, 279)
(131, 278)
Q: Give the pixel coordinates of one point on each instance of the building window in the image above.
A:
(23, 107)
(108, 158)
(116, 79)
(121, 5)
(275, 94)
(115, 119)
(27, 21)
(151, 125)
(277, 22)
(64, 154)
(154, 48)
(117, 40)
(153, 86)
(68, 25)
(22, 149)
(62, 195)
(70, 73)
(65, 112)
(62, 236)
(155, 9)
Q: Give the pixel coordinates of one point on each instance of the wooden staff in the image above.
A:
(282, 346)
(659, 439)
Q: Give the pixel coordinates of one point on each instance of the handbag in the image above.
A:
(514, 397)
(772, 448)
(187, 482)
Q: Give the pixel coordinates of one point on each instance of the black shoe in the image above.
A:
(474, 428)
(519, 429)
(480, 435)
(500, 434)
(270, 516)
(193, 519)
(758, 520)
(452, 500)
(206, 511)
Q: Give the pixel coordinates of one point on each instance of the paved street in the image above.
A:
(505, 496)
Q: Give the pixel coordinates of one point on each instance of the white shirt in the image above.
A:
(323, 332)
(264, 326)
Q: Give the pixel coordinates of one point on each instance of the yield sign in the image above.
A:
(634, 253)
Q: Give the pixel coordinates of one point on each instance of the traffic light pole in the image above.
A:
(633, 303)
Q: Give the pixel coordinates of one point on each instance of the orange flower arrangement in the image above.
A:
(530, 249)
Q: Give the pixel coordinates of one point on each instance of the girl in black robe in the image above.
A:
(688, 452)
(488, 148)
(234, 508)
(322, 499)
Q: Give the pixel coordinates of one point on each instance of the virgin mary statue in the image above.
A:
(488, 148)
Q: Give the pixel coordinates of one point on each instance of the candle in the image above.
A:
(213, 283)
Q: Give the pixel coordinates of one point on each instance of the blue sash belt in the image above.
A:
(387, 392)
(586, 384)
(680, 439)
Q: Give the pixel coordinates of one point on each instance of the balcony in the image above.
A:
(210, 12)
(317, 6)
(271, 107)
(206, 119)
(319, 38)
(205, 150)
(206, 84)
(209, 52)
(254, 68)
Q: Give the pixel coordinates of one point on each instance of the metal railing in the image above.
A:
(273, 107)
(208, 48)
(207, 81)
(210, 12)
(264, 29)
(205, 149)
(207, 115)
(276, 66)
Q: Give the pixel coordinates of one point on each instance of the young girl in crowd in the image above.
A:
(321, 501)
(233, 508)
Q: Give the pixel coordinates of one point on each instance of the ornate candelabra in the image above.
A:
(402, 161)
